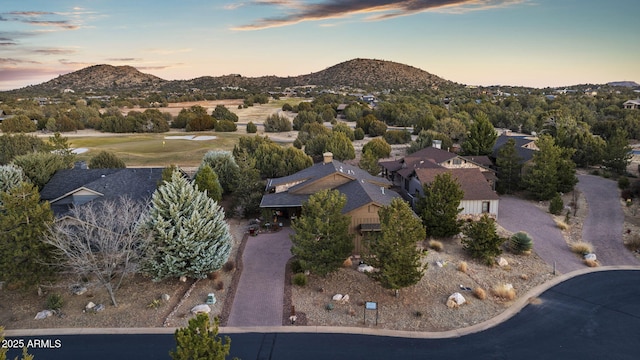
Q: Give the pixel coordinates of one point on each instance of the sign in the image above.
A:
(371, 305)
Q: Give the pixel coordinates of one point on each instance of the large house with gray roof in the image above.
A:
(365, 194)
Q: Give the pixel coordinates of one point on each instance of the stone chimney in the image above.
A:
(327, 157)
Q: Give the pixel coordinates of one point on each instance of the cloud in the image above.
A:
(53, 51)
(376, 9)
(41, 18)
(122, 59)
(14, 61)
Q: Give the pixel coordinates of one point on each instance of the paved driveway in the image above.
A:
(259, 298)
(604, 223)
(520, 215)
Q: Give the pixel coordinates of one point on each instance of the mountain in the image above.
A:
(631, 84)
(363, 74)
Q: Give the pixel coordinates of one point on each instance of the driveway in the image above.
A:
(604, 223)
(520, 215)
(259, 298)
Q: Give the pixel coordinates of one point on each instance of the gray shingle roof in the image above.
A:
(524, 153)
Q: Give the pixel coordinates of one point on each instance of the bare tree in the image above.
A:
(102, 240)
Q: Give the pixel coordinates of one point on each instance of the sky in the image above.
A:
(534, 43)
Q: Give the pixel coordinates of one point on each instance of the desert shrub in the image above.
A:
(633, 243)
(329, 306)
(296, 266)
(251, 128)
(556, 205)
(229, 266)
(463, 267)
(562, 225)
(623, 182)
(277, 123)
(397, 136)
(504, 291)
(521, 242)
(358, 134)
(582, 247)
(226, 126)
(54, 302)
(627, 194)
(480, 293)
(436, 245)
(300, 279)
(591, 263)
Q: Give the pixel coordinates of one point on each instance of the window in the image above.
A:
(457, 161)
(485, 207)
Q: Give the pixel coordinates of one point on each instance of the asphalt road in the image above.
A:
(593, 316)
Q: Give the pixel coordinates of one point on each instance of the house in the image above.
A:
(525, 146)
(72, 187)
(473, 173)
(365, 194)
(632, 104)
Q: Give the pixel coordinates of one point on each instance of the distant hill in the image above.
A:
(363, 74)
(631, 84)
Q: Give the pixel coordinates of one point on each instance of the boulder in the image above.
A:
(43, 314)
(78, 289)
(337, 297)
(165, 297)
(183, 279)
(364, 268)
(345, 299)
(590, 257)
(99, 307)
(455, 300)
(502, 262)
(89, 306)
(201, 309)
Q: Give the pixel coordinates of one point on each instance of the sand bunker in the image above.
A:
(190, 137)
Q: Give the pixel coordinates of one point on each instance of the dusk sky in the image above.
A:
(535, 43)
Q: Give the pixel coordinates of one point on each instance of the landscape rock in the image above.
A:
(89, 306)
(590, 257)
(502, 262)
(345, 299)
(165, 297)
(99, 307)
(43, 314)
(337, 297)
(78, 289)
(364, 268)
(455, 300)
(201, 309)
(183, 279)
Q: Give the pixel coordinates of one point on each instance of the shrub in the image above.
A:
(251, 128)
(623, 182)
(591, 263)
(226, 126)
(480, 293)
(436, 245)
(463, 267)
(277, 123)
(54, 302)
(504, 291)
(582, 247)
(633, 243)
(296, 266)
(521, 242)
(329, 306)
(397, 136)
(562, 225)
(556, 205)
(229, 266)
(300, 279)
(358, 134)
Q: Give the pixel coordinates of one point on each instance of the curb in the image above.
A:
(517, 306)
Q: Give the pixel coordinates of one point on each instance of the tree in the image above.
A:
(10, 177)
(340, 146)
(226, 126)
(200, 340)
(106, 160)
(369, 162)
(277, 123)
(166, 173)
(552, 170)
(60, 145)
(481, 239)
(249, 186)
(617, 153)
(321, 240)
(377, 128)
(394, 252)
(190, 236)
(222, 113)
(18, 124)
(24, 257)
(19, 144)
(39, 167)
(207, 180)
(102, 239)
(223, 164)
(509, 168)
(440, 206)
(379, 148)
(251, 128)
(343, 127)
(481, 138)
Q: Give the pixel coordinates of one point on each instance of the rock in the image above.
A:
(337, 297)
(201, 309)
(591, 257)
(345, 299)
(165, 297)
(455, 300)
(43, 314)
(98, 307)
(183, 279)
(90, 306)
(211, 299)
(78, 289)
(502, 262)
(364, 268)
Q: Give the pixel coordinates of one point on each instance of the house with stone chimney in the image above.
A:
(365, 194)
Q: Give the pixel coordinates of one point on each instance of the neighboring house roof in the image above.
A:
(632, 102)
(72, 186)
(431, 157)
(521, 142)
(471, 180)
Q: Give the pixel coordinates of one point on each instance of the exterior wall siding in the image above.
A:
(367, 214)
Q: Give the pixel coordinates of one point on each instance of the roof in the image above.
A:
(471, 180)
(525, 153)
(632, 102)
(427, 157)
(136, 183)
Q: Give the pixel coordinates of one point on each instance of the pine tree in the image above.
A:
(249, 186)
(481, 138)
(482, 241)
(39, 167)
(541, 178)
(509, 168)
(321, 240)
(394, 252)
(617, 153)
(23, 223)
(439, 207)
(200, 340)
(190, 235)
(207, 180)
(223, 164)
(369, 162)
(106, 160)
(10, 177)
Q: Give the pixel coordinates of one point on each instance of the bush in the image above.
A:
(358, 134)
(504, 291)
(556, 205)
(463, 267)
(633, 243)
(562, 225)
(624, 183)
(277, 123)
(480, 293)
(300, 279)
(591, 263)
(296, 266)
(397, 136)
(226, 126)
(229, 266)
(435, 245)
(521, 242)
(582, 247)
(251, 128)
(54, 302)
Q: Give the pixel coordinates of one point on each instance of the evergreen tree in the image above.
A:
(23, 224)
(39, 167)
(481, 138)
(223, 164)
(509, 168)
(321, 240)
(190, 235)
(394, 252)
(541, 178)
(379, 148)
(200, 340)
(481, 240)
(207, 180)
(19, 144)
(369, 163)
(440, 206)
(617, 154)
(10, 177)
(61, 146)
(250, 187)
(106, 160)
(18, 124)
(341, 147)
(167, 172)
